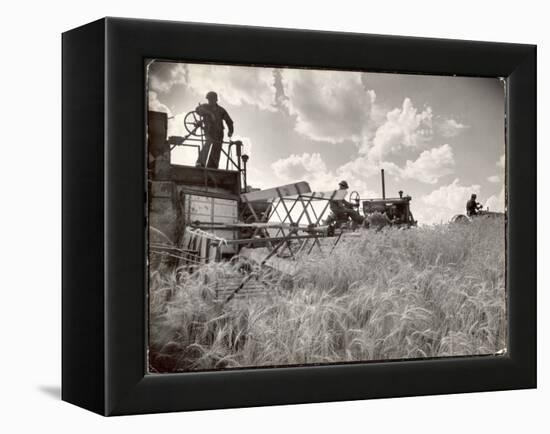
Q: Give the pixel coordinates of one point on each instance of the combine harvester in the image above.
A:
(198, 215)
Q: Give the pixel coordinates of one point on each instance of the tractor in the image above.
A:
(396, 211)
(378, 213)
(463, 218)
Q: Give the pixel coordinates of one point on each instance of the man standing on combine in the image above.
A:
(213, 117)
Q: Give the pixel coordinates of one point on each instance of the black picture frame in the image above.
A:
(104, 269)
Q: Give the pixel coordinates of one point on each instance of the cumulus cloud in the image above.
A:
(296, 166)
(451, 128)
(495, 179)
(235, 85)
(154, 103)
(364, 167)
(163, 76)
(451, 196)
(176, 125)
(313, 169)
(404, 127)
(428, 168)
(305, 167)
(442, 204)
(430, 165)
(329, 106)
(496, 202)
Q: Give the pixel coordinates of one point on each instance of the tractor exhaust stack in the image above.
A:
(383, 184)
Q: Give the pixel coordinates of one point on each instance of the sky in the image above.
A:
(438, 138)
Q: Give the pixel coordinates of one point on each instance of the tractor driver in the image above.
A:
(213, 116)
(472, 207)
(342, 210)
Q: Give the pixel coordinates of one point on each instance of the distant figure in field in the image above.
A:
(472, 207)
(342, 210)
(214, 116)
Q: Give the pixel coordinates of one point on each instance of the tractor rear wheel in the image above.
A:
(460, 218)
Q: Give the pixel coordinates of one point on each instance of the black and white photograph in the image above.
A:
(287, 217)
(303, 216)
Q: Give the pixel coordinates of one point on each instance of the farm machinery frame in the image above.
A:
(214, 221)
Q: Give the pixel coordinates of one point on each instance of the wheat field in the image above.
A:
(432, 291)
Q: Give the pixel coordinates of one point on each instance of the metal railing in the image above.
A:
(196, 138)
(235, 160)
